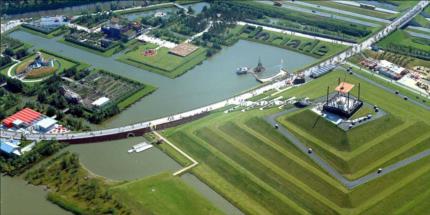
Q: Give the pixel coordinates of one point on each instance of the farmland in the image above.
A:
(162, 62)
(403, 43)
(261, 171)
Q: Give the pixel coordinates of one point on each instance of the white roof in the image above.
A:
(100, 101)
(17, 122)
(391, 66)
(46, 123)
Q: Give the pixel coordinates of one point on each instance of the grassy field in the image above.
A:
(164, 194)
(163, 62)
(358, 10)
(261, 172)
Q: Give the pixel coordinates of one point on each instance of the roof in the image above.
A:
(7, 147)
(26, 115)
(46, 123)
(344, 87)
(100, 101)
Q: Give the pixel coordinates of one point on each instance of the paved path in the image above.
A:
(193, 162)
(327, 167)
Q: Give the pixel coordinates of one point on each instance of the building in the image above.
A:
(22, 118)
(100, 101)
(342, 103)
(10, 147)
(45, 124)
(390, 70)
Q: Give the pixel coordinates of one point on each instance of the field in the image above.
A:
(164, 194)
(163, 62)
(314, 48)
(260, 171)
(109, 52)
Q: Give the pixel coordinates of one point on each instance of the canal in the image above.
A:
(212, 81)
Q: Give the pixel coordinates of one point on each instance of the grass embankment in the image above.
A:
(163, 62)
(76, 190)
(55, 33)
(164, 194)
(146, 90)
(261, 172)
(115, 49)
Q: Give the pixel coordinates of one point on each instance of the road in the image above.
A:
(340, 58)
(332, 171)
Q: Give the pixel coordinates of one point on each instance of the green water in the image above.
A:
(212, 81)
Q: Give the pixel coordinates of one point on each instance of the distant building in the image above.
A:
(45, 124)
(100, 101)
(22, 118)
(390, 70)
(10, 147)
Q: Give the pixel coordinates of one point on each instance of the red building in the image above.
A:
(25, 116)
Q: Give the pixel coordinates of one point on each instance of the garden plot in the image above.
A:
(101, 84)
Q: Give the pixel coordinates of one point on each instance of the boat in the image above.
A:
(242, 70)
(140, 147)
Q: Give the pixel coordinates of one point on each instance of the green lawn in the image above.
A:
(261, 172)
(163, 62)
(55, 33)
(164, 194)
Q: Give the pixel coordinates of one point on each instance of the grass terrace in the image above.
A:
(161, 61)
(260, 171)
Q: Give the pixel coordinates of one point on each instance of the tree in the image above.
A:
(190, 10)
(50, 111)
(9, 52)
(14, 85)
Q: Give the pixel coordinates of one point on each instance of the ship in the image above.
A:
(140, 147)
(242, 70)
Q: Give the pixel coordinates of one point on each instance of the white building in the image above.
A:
(100, 101)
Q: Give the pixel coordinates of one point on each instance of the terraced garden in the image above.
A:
(259, 170)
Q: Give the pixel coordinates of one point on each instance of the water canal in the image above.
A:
(213, 80)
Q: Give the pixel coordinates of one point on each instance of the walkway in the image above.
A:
(332, 171)
(193, 162)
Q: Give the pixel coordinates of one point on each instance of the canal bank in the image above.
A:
(212, 81)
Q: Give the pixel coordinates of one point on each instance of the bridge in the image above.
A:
(176, 119)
